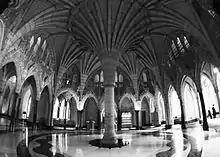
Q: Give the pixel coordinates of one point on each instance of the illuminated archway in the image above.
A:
(8, 95)
(174, 102)
(127, 110)
(28, 104)
(189, 97)
(209, 94)
(161, 109)
(8, 83)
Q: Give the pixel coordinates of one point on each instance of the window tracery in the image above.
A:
(144, 77)
(44, 46)
(186, 42)
(180, 46)
(37, 44)
(31, 41)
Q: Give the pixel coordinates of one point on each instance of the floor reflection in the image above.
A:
(146, 143)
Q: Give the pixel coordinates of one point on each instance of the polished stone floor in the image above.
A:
(154, 142)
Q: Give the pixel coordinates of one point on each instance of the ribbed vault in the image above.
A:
(134, 31)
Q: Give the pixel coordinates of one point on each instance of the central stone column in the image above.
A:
(109, 65)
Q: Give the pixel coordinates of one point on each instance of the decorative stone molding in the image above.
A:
(83, 79)
(130, 96)
(73, 94)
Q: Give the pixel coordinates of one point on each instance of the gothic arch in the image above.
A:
(37, 81)
(129, 96)
(147, 95)
(8, 84)
(187, 79)
(87, 96)
(49, 91)
(192, 109)
(43, 107)
(29, 83)
(73, 94)
(174, 103)
(17, 69)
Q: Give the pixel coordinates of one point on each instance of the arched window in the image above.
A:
(116, 77)
(212, 12)
(186, 42)
(96, 78)
(180, 45)
(101, 77)
(44, 46)
(31, 41)
(37, 44)
(174, 49)
(144, 77)
(120, 78)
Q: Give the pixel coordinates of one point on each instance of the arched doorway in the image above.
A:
(58, 111)
(190, 101)
(210, 97)
(8, 82)
(174, 102)
(72, 121)
(147, 108)
(90, 112)
(161, 109)
(28, 104)
(127, 113)
(65, 111)
(43, 108)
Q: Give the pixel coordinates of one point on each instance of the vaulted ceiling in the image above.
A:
(137, 30)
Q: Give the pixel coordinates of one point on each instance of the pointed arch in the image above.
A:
(14, 66)
(148, 95)
(28, 111)
(190, 98)
(129, 96)
(43, 107)
(174, 103)
(73, 94)
(88, 95)
(8, 84)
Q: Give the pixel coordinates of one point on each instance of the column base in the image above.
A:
(168, 126)
(205, 126)
(109, 142)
